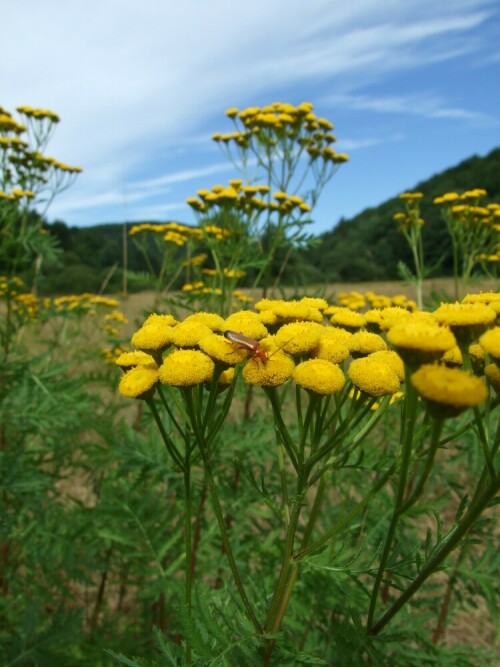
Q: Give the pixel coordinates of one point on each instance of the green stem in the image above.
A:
(282, 429)
(441, 553)
(417, 491)
(214, 496)
(172, 449)
(346, 519)
(188, 542)
(282, 590)
(409, 419)
(225, 539)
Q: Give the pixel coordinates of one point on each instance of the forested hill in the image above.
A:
(368, 246)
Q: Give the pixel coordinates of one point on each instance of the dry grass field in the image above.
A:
(135, 306)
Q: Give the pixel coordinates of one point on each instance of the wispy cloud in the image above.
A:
(134, 82)
(367, 142)
(181, 176)
(427, 106)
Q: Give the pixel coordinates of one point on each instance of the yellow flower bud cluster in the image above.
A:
(411, 216)
(279, 123)
(246, 198)
(39, 114)
(465, 212)
(309, 342)
(9, 124)
(171, 232)
(355, 300)
(226, 272)
(16, 144)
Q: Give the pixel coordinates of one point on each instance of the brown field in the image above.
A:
(137, 306)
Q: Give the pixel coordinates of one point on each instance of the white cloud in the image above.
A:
(133, 81)
(428, 106)
(367, 142)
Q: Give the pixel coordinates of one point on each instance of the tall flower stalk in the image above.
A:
(328, 390)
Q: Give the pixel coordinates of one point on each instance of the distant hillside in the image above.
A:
(368, 246)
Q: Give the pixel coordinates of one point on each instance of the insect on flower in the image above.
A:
(257, 351)
(253, 346)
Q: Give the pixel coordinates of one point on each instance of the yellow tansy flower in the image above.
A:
(453, 357)
(152, 337)
(490, 341)
(492, 372)
(165, 320)
(135, 358)
(319, 376)
(331, 349)
(226, 377)
(338, 334)
(274, 372)
(348, 319)
(299, 337)
(213, 321)
(139, 381)
(364, 342)
(268, 317)
(220, 349)
(189, 334)
(373, 377)
(448, 391)
(314, 302)
(185, 368)
(247, 323)
(418, 342)
(466, 320)
(384, 318)
(391, 359)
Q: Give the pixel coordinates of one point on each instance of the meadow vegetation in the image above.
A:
(247, 474)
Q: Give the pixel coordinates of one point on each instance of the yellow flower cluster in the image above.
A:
(44, 162)
(296, 340)
(199, 287)
(112, 354)
(10, 286)
(228, 273)
(9, 124)
(16, 194)
(247, 198)
(358, 301)
(480, 223)
(452, 197)
(196, 260)
(449, 391)
(172, 232)
(39, 114)
(282, 122)
(15, 143)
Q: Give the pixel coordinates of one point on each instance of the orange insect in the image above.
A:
(253, 346)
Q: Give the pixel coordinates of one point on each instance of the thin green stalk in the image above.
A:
(311, 409)
(282, 429)
(409, 423)
(441, 553)
(225, 539)
(433, 447)
(172, 449)
(170, 413)
(483, 438)
(347, 518)
(282, 590)
(187, 542)
(283, 480)
(214, 496)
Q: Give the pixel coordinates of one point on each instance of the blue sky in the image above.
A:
(410, 85)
